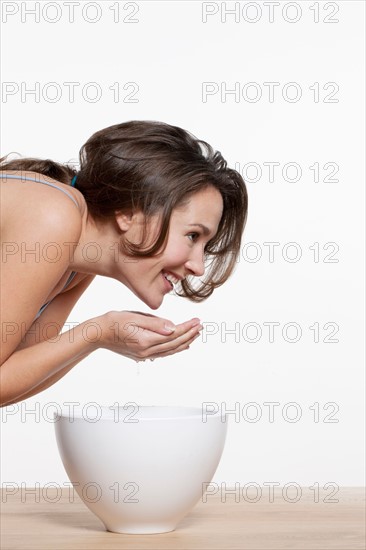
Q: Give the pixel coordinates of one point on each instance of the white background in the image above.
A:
(169, 53)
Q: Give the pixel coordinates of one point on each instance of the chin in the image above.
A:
(154, 307)
(153, 304)
(153, 300)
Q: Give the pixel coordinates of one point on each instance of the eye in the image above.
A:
(195, 236)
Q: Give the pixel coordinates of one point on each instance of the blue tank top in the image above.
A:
(72, 275)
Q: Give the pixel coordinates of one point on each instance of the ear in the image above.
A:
(124, 220)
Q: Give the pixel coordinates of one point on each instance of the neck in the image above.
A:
(97, 250)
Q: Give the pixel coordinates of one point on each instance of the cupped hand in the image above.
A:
(142, 336)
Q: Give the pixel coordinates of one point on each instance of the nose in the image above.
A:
(195, 263)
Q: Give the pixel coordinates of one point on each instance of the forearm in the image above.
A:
(33, 369)
(46, 384)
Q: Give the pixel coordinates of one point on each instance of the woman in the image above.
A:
(151, 207)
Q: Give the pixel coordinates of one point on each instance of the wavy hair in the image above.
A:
(154, 167)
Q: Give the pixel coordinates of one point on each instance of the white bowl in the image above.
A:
(140, 469)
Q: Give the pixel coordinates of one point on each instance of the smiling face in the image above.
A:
(191, 227)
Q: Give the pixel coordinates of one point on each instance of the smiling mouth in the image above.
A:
(170, 278)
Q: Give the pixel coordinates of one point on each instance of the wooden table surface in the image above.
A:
(278, 524)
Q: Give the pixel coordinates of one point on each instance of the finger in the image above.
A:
(173, 345)
(180, 348)
(164, 327)
(140, 323)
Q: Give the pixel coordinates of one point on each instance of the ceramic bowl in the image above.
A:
(140, 469)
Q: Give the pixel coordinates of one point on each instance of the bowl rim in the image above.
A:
(179, 412)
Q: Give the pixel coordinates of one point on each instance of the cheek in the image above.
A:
(176, 254)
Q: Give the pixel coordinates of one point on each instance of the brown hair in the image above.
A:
(155, 167)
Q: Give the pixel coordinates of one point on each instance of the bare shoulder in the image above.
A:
(28, 205)
(39, 226)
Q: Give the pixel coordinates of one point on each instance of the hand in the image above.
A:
(142, 336)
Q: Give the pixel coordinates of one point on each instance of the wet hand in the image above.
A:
(142, 336)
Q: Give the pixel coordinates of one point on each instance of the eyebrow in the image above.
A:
(205, 229)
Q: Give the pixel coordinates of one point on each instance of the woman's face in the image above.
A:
(184, 252)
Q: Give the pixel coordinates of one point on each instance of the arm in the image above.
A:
(26, 282)
(21, 381)
(31, 364)
(28, 368)
(57, 312)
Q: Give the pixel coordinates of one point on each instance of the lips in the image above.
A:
(167, 284)
(170, 278)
